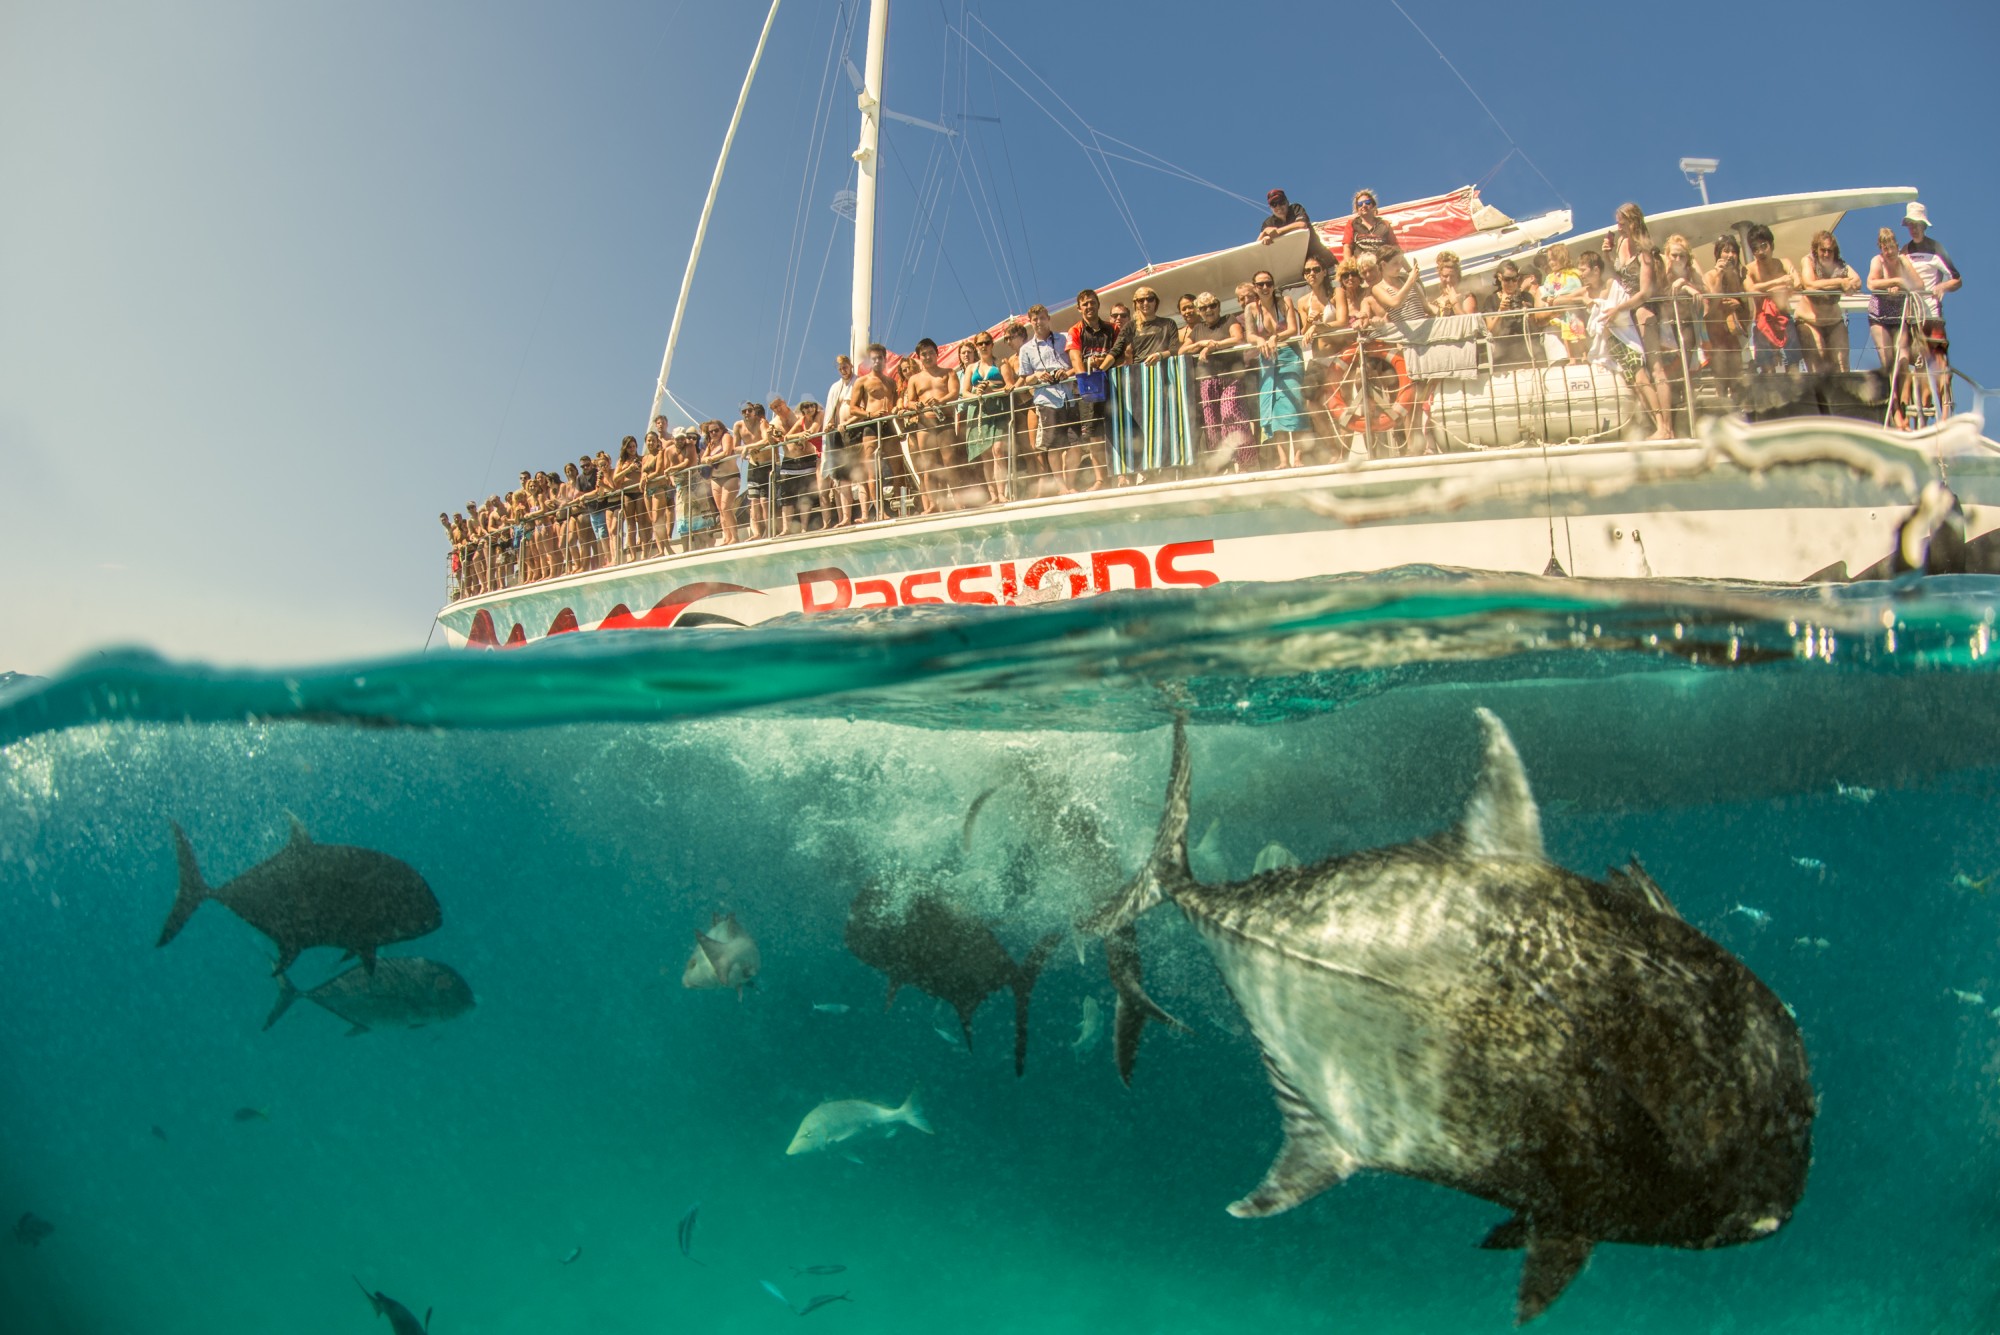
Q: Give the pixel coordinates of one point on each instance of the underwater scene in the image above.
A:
(1408, 953)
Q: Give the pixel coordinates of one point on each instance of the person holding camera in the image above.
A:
(1507, 316)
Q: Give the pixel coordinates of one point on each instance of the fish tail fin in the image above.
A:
(287, 994)
(1025, 974)
(191, 891)
(1135, 1008)
(912, 1114)
(1166, 873)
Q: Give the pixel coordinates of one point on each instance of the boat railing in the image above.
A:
(1445, 384)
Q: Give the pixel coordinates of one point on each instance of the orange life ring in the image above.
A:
(1357, 420)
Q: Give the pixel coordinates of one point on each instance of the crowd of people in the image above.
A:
(1279, 375)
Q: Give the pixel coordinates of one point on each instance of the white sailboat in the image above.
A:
(1541, 480)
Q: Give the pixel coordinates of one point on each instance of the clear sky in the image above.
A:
(280, 282)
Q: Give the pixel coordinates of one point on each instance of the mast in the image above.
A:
(866, 156)
(708, 207)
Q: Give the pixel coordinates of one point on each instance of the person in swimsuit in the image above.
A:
(1824, 277)
(1687, 294)
(870, 403)
(1451, 298)
(1616, 344)
(1271, 328)
(754, 443)
(798, 467)
(627, 506)
(1771, 282)
(721, 459)
(1727, 315)
(1892, 280)
(929, 391)
(1633, 261)
(989, 389)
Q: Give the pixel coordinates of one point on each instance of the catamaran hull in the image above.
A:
(1808, 500)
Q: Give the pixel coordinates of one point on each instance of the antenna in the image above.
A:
(1697, 170)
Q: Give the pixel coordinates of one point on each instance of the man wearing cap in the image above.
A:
(1289, 217)
(1933, 264)
(1368, 232)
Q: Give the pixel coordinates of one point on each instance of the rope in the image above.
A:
(1515, 144)
(1090, 153)
(837, 40)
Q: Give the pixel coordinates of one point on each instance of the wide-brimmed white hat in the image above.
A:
(1915, 213)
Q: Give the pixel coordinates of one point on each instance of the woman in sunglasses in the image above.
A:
(1824, 277)
(1225, 418)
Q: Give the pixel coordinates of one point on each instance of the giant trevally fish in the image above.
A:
(947, 952)
(310, 894)
(1460, 1010)
(405, 990)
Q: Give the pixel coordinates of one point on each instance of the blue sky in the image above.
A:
(280, 282)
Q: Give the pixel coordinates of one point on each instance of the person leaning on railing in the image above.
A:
(798, 468)
(989, 388)
(1270, 325)
(1225, 419)
(1728, 315)
(1892, 284)
(1158, 404)
(1824, 277)
(623, 484)
(1044, 364)
(719, 465)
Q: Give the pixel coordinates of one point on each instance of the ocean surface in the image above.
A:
(1810, 776)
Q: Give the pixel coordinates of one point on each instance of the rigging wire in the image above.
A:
(837, 40)
(1512, 142)
(1013, 182)
(527, 344)
(1091, 153)
(805, 330)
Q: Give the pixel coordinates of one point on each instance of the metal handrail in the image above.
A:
(493, 560)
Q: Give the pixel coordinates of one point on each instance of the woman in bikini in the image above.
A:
(1727, 316)
(798, 464)
(988, 393)
(1450, 297)
(627, 506)
(1270, 324)
(719, 457)
(1686, 295)
(1824, 277)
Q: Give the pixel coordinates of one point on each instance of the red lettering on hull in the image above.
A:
(831, 589)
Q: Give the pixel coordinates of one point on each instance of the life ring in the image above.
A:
(1356, 419)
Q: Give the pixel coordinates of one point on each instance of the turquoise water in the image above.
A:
(581, 807)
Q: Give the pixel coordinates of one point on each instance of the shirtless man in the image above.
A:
(934, 452)
(871, 399)
(1769, 277)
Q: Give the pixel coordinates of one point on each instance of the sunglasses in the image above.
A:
(1208, 305)
(1263, 282)
(1143, 300)
(1313, 268)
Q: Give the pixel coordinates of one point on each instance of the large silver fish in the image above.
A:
(311, 894)
(405, 991)
(1462, 1011)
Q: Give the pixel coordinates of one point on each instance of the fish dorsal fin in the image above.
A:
(1552, 1263)
(1501, 820)
(1309, 1163)
(1638, 884)
(299, 837)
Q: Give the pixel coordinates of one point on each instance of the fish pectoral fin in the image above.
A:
(1552, 1263)
(1134, 1007)
(1309, 1163)
(299, 838)
(1509, 1235)
(1637, 885)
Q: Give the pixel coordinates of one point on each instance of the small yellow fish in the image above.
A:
(1960, 881)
